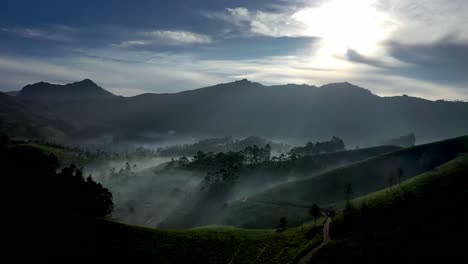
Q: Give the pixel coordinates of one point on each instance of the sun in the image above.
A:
(345, 24)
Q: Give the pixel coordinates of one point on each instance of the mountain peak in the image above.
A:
(245, 80)
(86, 82)
(85, 89)
(346, 87)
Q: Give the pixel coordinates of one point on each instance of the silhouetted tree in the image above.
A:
(128, 168)
(390, 181)
(348, 192)
(283, 224)
(349, 210)
(314, 211)
(33, 179)
(400, 173)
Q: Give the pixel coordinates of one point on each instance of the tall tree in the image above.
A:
(314, 211)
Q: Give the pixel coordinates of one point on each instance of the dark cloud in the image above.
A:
(354, 56)
(442, 62)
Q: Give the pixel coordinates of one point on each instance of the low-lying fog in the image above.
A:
(147, 190)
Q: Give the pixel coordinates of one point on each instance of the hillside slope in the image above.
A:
(420, 221)
(22, 118)
(111, 241)
(366, 176)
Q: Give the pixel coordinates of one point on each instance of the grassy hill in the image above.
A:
(205, 245)
(108, 241)
(64, 156)
(309, 165)
(25, 119)
(367, 176)
(293, 199)
(422, 220)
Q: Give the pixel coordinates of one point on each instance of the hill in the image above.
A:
(292, 199)
(85, 89)
(20, 118)
(203, 245)
(419, 221)
(367, 176)
(245, 108)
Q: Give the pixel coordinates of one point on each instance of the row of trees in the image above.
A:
(333, 145)
(215, 145)
(210, 161)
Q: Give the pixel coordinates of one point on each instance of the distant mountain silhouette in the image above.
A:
(12, 93)
(85, 89)
(245, 108)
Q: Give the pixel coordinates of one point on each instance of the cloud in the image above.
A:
(427, 21)
(166, 72)
(418, 47)
(56, 33)
(132, 43)
(261, 23)
(167, 37)
(443, 62)
(178, 37)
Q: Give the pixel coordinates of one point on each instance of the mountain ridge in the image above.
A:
(244, 108)
(85, 89)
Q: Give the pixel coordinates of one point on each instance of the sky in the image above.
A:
(391, 47)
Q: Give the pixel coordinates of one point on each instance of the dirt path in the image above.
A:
(326, 238)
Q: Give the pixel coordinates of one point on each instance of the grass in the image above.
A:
(249, 214)
(423, 220)
(205, 244)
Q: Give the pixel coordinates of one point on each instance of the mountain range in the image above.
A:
(241, 108)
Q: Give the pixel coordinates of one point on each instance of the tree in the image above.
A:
(349, 210)
(400, 173)
(53, 194)
(390, 181)
(348, 192)
(283, 224)
(314, 211)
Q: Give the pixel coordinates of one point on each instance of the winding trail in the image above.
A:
(326, 238)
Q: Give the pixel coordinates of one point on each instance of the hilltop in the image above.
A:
(85, 89)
